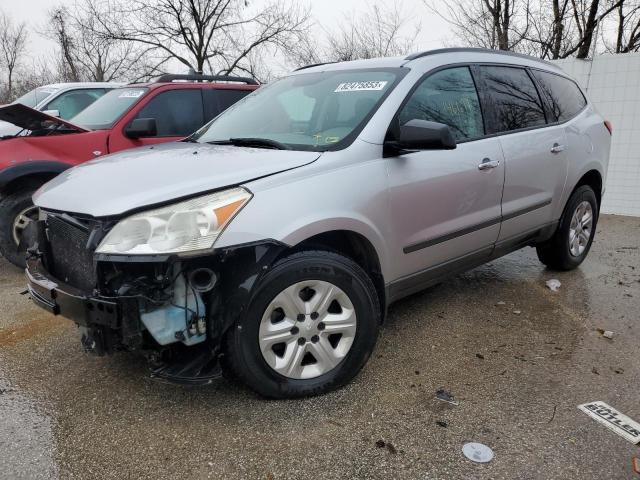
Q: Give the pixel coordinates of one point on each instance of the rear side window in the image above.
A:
(178, 113)
(449, 97)
(514, 99)
(217, 101)
(562, 96)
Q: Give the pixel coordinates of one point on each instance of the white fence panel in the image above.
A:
(612, 82)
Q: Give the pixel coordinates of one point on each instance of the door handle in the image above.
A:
(557, 148)
(488, 164)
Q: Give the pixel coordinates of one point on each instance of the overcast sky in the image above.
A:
(325, 12)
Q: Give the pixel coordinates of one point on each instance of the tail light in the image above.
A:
(607, 124)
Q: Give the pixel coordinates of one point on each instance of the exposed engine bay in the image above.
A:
(173, 310)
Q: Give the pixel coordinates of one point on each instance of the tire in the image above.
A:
(331, 275)
(557, 253)
(11, 207)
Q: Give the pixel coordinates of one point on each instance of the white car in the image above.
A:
(64, 100)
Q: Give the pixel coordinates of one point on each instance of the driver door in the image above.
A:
(445, 205)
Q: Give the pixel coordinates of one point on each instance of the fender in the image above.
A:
(34, 167)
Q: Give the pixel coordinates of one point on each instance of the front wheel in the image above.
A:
(16, 212)
(572, 241)
(310, 327)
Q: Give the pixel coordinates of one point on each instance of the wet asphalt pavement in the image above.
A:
(518, 378)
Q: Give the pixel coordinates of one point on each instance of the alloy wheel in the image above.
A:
(580, 228)
(22, 220)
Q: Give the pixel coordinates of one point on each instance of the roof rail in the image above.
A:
(426, 53)
(313, 65)
(195, 77)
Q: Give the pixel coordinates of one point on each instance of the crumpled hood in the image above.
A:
(116, 184)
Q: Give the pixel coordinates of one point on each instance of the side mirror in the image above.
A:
(53, 113)
(141, 127)
(423, 135)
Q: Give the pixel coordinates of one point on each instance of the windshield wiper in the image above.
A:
(252, 142)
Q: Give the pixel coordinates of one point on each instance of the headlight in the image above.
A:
(183, 227)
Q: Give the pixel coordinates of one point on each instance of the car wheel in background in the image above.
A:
(16, 212)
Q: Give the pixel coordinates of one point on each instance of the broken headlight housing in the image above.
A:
(187, 226)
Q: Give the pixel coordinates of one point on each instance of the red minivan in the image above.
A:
(131, 116)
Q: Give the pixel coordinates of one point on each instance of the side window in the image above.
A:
(515, 100)
(562, 96)
(226, 98)
(449, 97)
(178, 113)
(69, 104)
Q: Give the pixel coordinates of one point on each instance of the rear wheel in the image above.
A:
(572, 241)
(310, 327)
(16, 212)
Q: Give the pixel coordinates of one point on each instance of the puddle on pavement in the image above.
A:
(41, 326)
(26, 436)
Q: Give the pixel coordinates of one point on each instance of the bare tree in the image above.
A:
(381, 31)
(13, 43)
(546, 28)
(85, 55)
(627, 28)
(219, 35)
(494, 24)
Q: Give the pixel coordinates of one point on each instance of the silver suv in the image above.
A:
(271, 242)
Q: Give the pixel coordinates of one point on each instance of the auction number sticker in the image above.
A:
(612, 419)
(131, 94)
(360, 86)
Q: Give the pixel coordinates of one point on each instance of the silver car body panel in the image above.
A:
(419, 211)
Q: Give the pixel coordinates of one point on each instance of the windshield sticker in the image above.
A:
(359, 86)
(131, 94)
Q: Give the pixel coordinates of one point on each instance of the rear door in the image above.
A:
(534, 152)
(178, 113)
(445, 204)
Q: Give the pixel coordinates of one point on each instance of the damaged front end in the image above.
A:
(173, 309)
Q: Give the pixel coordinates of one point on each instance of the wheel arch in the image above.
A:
(592, 178)
(35, 172)
(353, 245)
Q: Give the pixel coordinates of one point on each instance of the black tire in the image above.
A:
(10, 208)
(555, 253)
(242, 351)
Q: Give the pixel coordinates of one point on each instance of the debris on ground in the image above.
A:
(477, 452)
(442, 394)
(595, 370)
(501, 303)
(613, 420)
(442, 424)
(517, 312)
(388, 445)
(605, 333)
(635, 464)
(480, 356)
(553, 284)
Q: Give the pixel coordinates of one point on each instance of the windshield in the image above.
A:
(106, 111)
(314, 111)
(35, 96)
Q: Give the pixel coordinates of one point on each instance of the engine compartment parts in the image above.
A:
(181, 319)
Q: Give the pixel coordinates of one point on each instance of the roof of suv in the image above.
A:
(461, 55)
(74, 85)
(210, 81)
